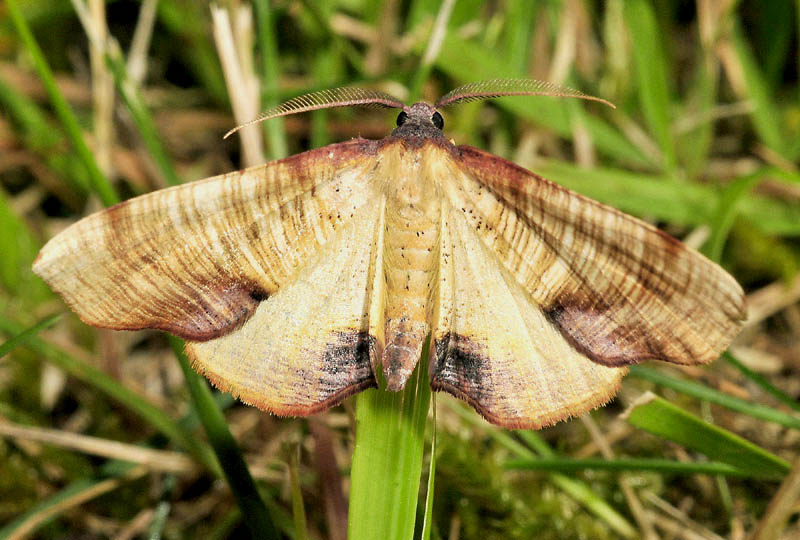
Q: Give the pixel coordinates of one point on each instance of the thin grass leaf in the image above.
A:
(186, 23)
(427, 522)
(727, 208)
(41, 136)
(772, 32)
(577, 489)
(268, 44)
(517, 38)
(766, 117)
(111, 387)
(117, 65)
(660, 417)
(347, 49)
(74, 494)
(432, 49)
(387, 459)
(97, 179)
(159, 521)
(25, 335)
(715, 396)
(654, 197)
(140, 113)
(762, 381)
(694, 145)
(16, 245)
(651, 75)
(254, 511)
(81, 491)
(298, 508)
(655, 465)
(223, 528)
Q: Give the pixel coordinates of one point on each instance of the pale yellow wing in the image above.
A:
(196, 260)
(619, 290)
(496, 349)
(312, 343)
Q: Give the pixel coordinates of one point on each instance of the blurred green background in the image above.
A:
(102, 101)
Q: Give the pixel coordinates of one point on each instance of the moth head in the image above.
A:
(419, 119)
(421, 113)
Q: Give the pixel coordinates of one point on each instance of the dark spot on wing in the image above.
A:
(588, 331)
(345, 367)
(202, 320)
(462, 368)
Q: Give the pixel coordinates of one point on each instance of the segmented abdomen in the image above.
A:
(411, 256)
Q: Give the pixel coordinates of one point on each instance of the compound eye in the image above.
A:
(437, 120)
(401, 118)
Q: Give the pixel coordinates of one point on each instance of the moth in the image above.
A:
(302, 281)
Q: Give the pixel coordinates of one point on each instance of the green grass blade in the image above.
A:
(40, 135)
(99, 182)
(187, 24)
(577, 489)
(47, 509)
(660, 417)
(25, 335)
(140, 114)
(109, 386)
(84, 489)
(517, 39)
(766, 117)
(387, 459)
(656, 465)
(298, 507)
(651, 75)
(254, 512)
(653, 196)
(694, 145)
(715, 396)
(18, 249)
(762, 381)
(427, 523)
(317, 12)
(432, 50)
(727, 208)
(268, 44)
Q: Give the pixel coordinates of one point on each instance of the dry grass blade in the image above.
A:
(771, 299)
(242, 83)
(635, 505)
(137, 55)
(781, 507)
(159, 460)
(34, 521)
(676, 521)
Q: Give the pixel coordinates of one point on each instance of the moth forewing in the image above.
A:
(197, 259)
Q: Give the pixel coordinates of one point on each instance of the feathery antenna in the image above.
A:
(325, 99)
(511, 87)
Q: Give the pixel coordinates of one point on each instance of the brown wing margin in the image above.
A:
(197, 259)
(619, 290)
